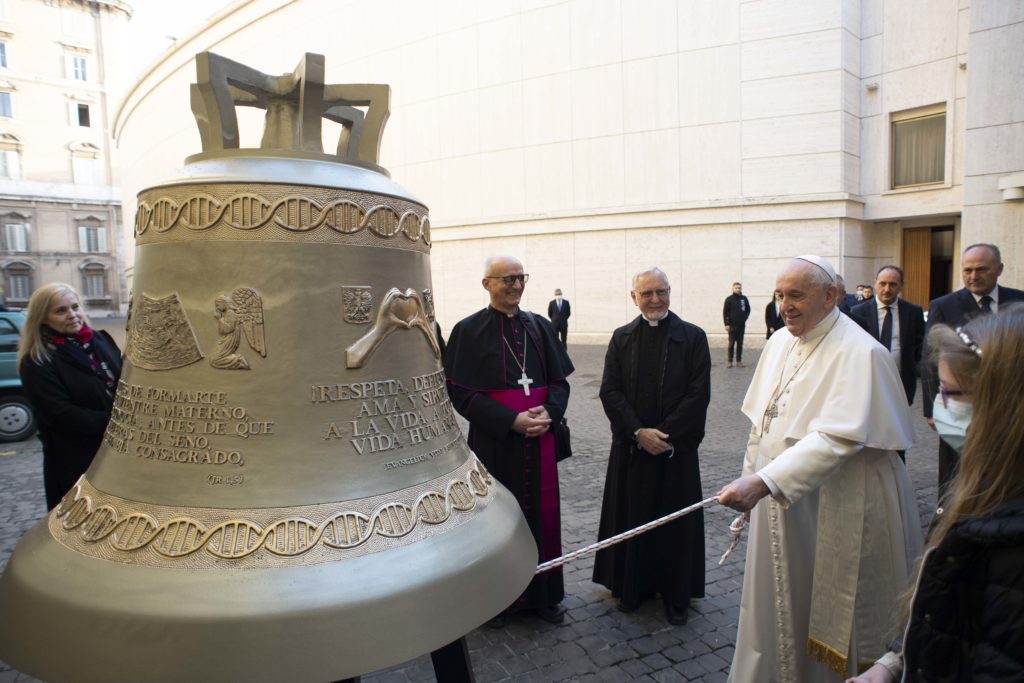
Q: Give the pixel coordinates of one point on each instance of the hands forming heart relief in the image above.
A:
(398, 311)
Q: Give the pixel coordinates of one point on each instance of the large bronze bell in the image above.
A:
(283, 493)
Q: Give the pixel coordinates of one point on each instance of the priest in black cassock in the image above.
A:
(655, 391)
(507, 376)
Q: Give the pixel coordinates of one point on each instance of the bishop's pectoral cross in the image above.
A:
(526, 382)
(769, 415)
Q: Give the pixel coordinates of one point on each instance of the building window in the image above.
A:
(10, 164)
(3, 54)
(82, 115)
(85, 164)
(919, 149)
(18, 278)
(6, 110)
(92, 239)
(10, 156)
(86, 170)
(16, 236)
(77, 67)
(94, 281)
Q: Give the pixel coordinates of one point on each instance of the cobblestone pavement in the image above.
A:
(597, 642)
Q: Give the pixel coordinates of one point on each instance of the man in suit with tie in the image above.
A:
(898, 325)
(559, 311)
(981, 265)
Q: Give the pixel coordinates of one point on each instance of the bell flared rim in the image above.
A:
(73, 617)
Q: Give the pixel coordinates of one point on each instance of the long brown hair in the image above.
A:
(992, 459)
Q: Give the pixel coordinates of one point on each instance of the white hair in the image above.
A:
(491, 260)
(652, 270)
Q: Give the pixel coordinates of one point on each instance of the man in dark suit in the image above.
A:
(735, 312)
(898, 325)
(559, 311)
(981, 265)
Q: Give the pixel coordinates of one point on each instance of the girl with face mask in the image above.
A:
(954, 404)
(965, 619)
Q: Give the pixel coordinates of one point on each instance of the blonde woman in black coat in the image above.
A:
(69, 373)
(966, 616)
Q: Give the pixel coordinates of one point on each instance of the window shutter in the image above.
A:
(12, 164)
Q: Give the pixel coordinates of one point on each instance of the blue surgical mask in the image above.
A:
(952, 421)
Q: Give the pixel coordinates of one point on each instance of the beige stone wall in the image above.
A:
(716, 138)
(995, 133)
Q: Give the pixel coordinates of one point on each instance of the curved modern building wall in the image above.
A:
(713, 138)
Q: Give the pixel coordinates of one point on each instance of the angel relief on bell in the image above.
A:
(237, 315)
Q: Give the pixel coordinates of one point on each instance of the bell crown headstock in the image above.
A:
(296, 104)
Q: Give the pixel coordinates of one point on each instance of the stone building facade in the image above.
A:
(714, 138)
(60, 207)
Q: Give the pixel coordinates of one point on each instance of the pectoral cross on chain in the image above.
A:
(526, 382)
(770, 414)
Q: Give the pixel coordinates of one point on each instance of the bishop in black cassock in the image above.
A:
(655, 391)
(507, 376)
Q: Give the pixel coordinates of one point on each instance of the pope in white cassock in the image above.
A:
(831, 544)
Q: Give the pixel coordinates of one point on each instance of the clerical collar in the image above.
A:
(822, 328)
(653, 322)
(507, 315)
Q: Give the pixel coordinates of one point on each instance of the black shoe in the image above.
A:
(676, 616)
(554, 614)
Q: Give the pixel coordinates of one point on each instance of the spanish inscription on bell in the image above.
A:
(389, 414)
(196, 427)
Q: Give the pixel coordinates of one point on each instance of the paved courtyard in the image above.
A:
(597, 642)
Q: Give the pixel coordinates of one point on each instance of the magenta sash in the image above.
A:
(550, 520)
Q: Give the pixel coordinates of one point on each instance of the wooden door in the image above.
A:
(917, 264)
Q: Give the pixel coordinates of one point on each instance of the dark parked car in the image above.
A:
(17, 418)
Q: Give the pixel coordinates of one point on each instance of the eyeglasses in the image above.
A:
(647, 294)
(947, 393)
(509, 279)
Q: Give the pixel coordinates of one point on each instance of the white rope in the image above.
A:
(736, 529)
(625, 535)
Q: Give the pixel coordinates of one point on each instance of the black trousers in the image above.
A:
(562, 331)
(736, 341)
